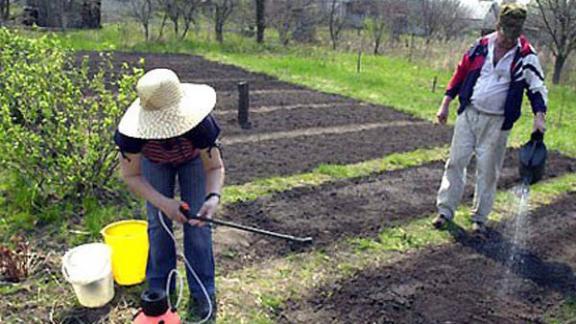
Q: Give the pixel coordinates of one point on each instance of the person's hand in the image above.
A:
(539, 123)
(171, 208)
(206, 211)
(442, 114)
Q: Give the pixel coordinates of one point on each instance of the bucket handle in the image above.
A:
(65, 273)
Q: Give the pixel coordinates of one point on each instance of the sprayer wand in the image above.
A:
(185, 209)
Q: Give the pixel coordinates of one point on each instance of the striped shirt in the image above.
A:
(174, 150)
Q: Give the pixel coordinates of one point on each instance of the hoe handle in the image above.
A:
(185, 209)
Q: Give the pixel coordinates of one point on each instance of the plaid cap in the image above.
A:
(511, 19)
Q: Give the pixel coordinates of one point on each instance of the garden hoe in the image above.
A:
(185, 209)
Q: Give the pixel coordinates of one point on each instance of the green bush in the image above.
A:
(57, 117)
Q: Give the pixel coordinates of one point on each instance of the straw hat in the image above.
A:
(165, 107)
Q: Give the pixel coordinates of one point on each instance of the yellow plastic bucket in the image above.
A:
(129, 243)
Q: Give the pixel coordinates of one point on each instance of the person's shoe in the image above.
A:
(199, 308)
(440, 221)
(479, 229)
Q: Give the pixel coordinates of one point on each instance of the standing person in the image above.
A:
(168, 134)
(489, 81)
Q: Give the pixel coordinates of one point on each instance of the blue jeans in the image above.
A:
(197, 240)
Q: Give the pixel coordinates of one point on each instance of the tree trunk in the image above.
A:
(185, 32)
(188, 20)
(91, 16)
(4, 10)
(284, 37)
(176, 31)
(260, 20)
(377, 46)
(219, 26)
(146, 32)
(333, 35)
(161, 32)
(378, 34)
(558, 66)
(219, 33)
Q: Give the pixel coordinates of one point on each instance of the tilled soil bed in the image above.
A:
(472, 281)
(359, 207)
(195, 69)
(308, 116)
(323, 128)
(253, 158)
(229, 100)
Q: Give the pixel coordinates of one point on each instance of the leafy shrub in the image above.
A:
(57, 117)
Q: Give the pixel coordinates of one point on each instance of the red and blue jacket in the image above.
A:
(526, 75)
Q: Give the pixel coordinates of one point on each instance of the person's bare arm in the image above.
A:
(214, 168)
(444, 110)
(132, 175)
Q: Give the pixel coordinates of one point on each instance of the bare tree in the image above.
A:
(176, 11)
(222, 9)
(189, 10)
(452, 18)
(558, 19)
(162, 5)
(62, 8)
(427, 14)
(243, 18)
(441, 18)
(143, 11)
(384, 16)
(291, 17)
(282, 18)
(4, 10)
(336, 22)
(170, 10)
(260, 20)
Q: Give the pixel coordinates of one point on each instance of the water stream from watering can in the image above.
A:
(515, 235)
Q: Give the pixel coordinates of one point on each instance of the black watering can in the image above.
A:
(532, 158)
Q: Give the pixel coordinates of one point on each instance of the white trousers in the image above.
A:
(481, 134)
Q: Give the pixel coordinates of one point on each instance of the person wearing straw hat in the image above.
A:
(169, 135)
(490, 82)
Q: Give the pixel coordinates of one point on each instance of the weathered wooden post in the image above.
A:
(359, 61)
(244, 105)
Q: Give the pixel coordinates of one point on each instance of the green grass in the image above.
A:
(566, 313)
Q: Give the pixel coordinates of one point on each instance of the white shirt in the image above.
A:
(492, 86)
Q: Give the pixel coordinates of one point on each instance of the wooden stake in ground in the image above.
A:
(243, 105)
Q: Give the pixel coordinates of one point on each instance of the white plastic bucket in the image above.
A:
(88, 268)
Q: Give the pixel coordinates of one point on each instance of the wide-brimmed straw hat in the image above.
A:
(166, 107)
